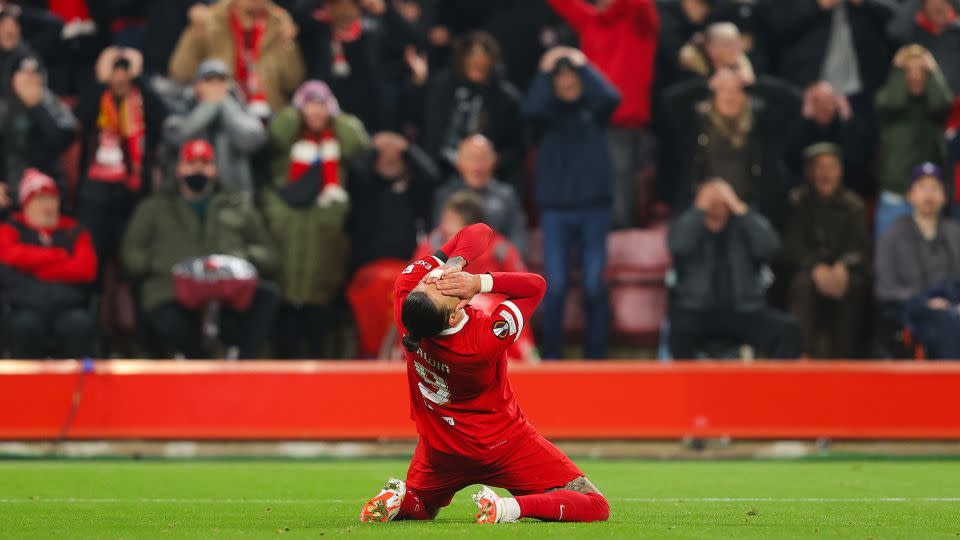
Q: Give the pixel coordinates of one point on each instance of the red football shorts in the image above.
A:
(532, 465)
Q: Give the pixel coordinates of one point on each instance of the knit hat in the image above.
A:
(924, 170)
(316, 91)
(35, 183)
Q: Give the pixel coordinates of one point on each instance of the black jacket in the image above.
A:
(385, 217)
(801, 30)
(499, 120)
(361, 92)
(751, 244)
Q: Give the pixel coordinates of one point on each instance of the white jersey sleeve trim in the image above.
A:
(516, 311)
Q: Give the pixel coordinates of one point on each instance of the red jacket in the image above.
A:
(622, 42)
(46, 269)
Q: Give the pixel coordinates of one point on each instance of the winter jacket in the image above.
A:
(899, 267)
(573, 164)
(312, 242)
(911, 128)
(234, 133)
(44, 276)
(387, 214)
(751, 244)
(801, 30)
(165, 230)
(34, 137)
(622, 42)
(280, 67)
(498, 119)
(501, 208)
(910, 26)
(825, 231)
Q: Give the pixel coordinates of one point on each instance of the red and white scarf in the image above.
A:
(313, 148)
(247, 48)
(120, 145)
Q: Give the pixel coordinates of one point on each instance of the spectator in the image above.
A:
(720, 47)
(472, 98)
(312, 144)
(828, 117)
(734, 136)
(391, 186)
(916, 254)
(17, 40)
(842, 42)
(255, 39)
(620, 38)
(195, 218)
(341, 48)
(216, 115)
(912, 109)
(572, 103)
(826, 244)
(934, 25)
(36, 127)
(475, 161)
(47, 262)
(719, 249)
(921, 250)
(121, 119)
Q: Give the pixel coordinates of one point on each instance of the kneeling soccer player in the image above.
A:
(471, 429)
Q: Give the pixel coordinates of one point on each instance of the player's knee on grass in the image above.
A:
(603, 507)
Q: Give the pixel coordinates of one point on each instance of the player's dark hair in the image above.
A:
(422, 318)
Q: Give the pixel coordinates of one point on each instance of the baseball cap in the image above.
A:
(924, 170)
(196, 149)
(35, 183)
(212, 67)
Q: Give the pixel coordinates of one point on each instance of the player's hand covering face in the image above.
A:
(462, 285)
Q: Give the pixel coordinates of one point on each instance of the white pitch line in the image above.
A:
(650, 500)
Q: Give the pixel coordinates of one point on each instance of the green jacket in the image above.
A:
(165, 230)
(826, 231)
(911, 127)
(312, 242)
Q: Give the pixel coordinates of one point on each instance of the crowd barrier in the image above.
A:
(73, 400)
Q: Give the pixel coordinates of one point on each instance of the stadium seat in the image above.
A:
(638, 256)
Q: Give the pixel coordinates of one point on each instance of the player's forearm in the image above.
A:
(516, 286)
(469, 243)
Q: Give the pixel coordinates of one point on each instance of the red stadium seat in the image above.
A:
(638, 312)
(638, 256)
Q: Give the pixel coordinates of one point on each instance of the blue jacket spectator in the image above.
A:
(572, 103)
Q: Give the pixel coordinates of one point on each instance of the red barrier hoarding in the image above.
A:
(570, 400)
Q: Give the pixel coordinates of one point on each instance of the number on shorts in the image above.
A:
(435, 389)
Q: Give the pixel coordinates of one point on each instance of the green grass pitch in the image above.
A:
(313, 499)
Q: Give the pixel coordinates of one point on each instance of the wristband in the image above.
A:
(486, 283)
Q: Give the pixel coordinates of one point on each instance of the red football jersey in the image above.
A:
(460, 397)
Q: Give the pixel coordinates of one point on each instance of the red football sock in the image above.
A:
(413, 508)
(564, 505)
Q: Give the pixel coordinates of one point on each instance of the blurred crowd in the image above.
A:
(242, 178)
